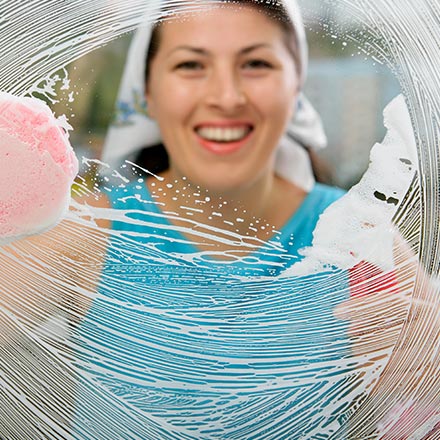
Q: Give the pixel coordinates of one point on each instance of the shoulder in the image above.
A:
(327, 192)
(303, 222)
(322, 196)
(315, 203)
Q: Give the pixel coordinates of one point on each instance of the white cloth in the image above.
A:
(132, 130)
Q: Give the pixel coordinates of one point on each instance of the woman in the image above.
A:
(192, 333)
(188, 337)
(262, 98)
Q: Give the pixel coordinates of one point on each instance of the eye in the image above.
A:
(257, 64)
(189, 65)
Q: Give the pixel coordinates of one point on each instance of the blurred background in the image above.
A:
(348, 88)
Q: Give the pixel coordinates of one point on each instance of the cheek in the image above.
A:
(162, 87)
(178, 87)
(174, 100)
(276, 97)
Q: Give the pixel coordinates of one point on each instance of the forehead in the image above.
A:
(220, 23)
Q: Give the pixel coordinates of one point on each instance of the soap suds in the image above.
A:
(197, 323)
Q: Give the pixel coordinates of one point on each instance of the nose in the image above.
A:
(225, 91)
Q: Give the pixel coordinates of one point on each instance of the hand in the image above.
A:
(396, 351)
(377, 309)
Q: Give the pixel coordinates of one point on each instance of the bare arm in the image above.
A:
(55, 271)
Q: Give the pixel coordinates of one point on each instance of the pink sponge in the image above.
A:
(37, 167)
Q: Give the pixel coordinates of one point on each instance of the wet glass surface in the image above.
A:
(195, 320)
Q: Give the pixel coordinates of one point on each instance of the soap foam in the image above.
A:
(358, 227)
(37, 167)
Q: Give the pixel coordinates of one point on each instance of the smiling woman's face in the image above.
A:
(222, 87)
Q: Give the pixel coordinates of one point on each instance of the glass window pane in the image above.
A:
(250, 247)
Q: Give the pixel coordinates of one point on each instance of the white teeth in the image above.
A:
(219, 134)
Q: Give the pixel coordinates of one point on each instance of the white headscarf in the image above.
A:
(132, 130)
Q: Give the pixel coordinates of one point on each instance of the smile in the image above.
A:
(224, 134)
(224, 138)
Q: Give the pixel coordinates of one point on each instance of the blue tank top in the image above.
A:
(177, 345)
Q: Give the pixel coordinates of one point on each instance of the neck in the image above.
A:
(256, 210)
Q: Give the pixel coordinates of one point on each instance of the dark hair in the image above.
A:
(155, 159)
(273, 9)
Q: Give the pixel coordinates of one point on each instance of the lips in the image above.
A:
(223, 137)
(223, 134)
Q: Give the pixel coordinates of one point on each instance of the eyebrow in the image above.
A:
(201, 51)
